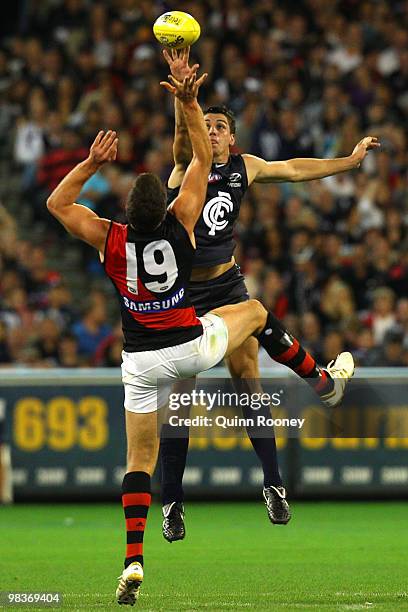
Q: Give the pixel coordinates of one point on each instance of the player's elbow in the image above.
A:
(51, 205)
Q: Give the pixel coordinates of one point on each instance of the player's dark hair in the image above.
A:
(223, 110)
(146, 202)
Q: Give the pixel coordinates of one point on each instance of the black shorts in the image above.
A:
(229, 288)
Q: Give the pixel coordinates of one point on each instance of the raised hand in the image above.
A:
(104, 148)
(178, 63)
(361, 148)
(186, 90)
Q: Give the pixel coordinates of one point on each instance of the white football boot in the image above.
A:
(129, 584)
(340, 371)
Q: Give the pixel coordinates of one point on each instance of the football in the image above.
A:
(176, 29)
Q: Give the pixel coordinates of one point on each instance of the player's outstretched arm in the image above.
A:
(190, 201)
(182, 152)
(79, 220)
(306, 169)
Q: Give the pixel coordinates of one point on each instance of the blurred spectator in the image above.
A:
(363, 345)
(253, 276)
(311, 333)
(333, 344)
(29, 144)
(274, 295)
(39, 278)
(58, 306)
(337, 303)
(92, 328)
(46, 342)
(347, 55)
(109, 352)
(58, 162)
(68, 355)
(305, 283)
(15, 311)
(382, 317)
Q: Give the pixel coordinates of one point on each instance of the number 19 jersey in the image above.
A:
(150, 272)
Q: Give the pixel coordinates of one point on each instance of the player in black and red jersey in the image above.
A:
(216, 279)
(149, 261)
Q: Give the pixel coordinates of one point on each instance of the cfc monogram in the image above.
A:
(215, 211)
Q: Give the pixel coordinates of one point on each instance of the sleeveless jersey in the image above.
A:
(150, 272)
(227, 184)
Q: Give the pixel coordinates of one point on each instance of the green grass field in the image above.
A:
(332, 556)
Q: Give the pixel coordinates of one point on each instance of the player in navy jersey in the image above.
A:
(216, 279)
(150, 261)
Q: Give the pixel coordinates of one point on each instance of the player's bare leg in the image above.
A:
(142, 449)
(244, 369)
(142, 441)
(243, 320)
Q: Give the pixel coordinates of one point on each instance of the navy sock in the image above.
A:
(265, 448)
(263, 445)
(173, 458)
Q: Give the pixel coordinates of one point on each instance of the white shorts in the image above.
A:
(140, 371)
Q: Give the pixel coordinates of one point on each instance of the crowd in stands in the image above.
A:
(305, 78)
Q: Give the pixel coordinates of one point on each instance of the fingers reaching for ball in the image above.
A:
(178, 62)
(187, 89)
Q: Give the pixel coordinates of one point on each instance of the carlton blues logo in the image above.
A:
(215, 211)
